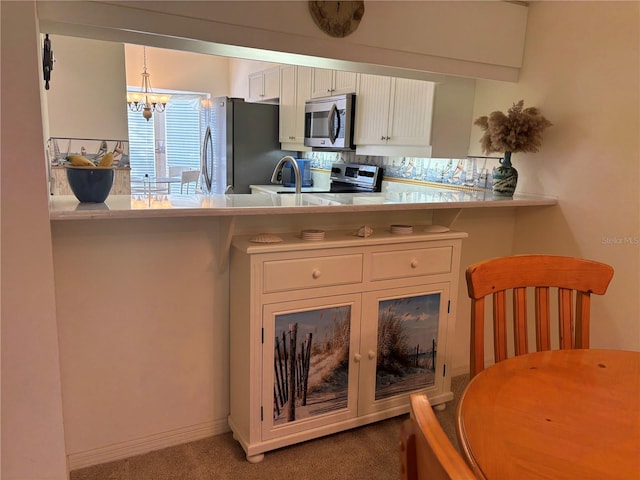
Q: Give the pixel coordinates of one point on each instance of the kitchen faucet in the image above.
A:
(277, 172)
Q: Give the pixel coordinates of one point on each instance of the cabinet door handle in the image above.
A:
(357, 357)
(372, 354)
(316, 273)
(414, 263)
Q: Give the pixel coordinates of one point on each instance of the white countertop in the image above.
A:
(67, 207)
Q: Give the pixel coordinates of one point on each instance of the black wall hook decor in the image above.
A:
(47, 61)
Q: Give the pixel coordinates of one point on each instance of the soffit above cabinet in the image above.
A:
(474, 39)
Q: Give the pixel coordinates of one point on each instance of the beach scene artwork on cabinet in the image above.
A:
(311, 363)
(407, 344)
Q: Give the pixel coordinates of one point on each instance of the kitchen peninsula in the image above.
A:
(195, 249)
(157, 276)
(154, 206)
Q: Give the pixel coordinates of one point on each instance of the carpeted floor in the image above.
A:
(369, 452)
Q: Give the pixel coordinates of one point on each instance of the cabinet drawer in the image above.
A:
(312, 272)
(411, 263)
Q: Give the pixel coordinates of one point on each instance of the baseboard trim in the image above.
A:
(460, 371)
(119, 451)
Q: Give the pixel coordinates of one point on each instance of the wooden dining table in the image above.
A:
(561, 414)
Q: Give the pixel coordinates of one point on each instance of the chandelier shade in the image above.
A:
(145, 100)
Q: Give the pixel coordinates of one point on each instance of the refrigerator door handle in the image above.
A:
(206, 173)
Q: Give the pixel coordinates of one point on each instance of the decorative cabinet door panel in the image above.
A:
(272, 83)
(256, 87)
(411, 112)
(309, 372)
(303, 93)
(295, 89)
(264, 85)
(402, 331)
(322, 82)
(326, 82)
(287, 103)
(344, 82)
(372, 110)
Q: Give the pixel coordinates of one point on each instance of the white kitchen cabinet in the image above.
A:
(264, 86)
(326, 82)
(334, 334)
(295, 89)
(394, 112)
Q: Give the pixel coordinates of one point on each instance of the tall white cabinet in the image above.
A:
(295, 89)
(329, 335)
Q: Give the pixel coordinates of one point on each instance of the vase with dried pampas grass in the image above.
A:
(520, 130)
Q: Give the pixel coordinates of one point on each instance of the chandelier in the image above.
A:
(145, 100)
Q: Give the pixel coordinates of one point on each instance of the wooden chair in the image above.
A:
(570, 276)
(426, 453)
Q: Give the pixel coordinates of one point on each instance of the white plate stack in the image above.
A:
(312, 235)
(402, 229)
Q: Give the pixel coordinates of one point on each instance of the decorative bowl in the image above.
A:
(90, 184)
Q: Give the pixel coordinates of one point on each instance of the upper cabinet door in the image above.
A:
(326, 82)
(344, 82)
(264, 86)
(411, 111)
(321, 83)
(295, 89)
(271, 83)
(287, 103)
(372, 110)
(303, 93)
(256, 87)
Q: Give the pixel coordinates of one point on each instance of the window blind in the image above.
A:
(141, 145)
(183, 133)
(154, 146)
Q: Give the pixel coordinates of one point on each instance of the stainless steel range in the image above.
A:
(355, 178)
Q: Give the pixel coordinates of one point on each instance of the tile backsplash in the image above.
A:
(470, 172)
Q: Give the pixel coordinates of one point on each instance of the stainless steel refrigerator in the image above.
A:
(240, 146)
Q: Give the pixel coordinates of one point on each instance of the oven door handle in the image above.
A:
(334, 123)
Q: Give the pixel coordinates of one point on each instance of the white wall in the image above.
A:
(88, 91)
(582, 69)
(145, 349)
(176, 70)
(32, 430)
(457, 38)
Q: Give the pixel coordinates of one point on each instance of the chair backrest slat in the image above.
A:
(500, 325)
(583, 311)
(565, 314)
(520, 339)
(477, 335)
(541, 273)
(543, 319)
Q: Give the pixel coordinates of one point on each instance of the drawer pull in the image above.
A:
(414, 263)
(372, 354)
(316, 273)
(357, 357)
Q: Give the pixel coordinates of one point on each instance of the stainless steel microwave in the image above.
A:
(329, 122)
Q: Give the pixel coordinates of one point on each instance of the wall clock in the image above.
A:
(337, 19)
